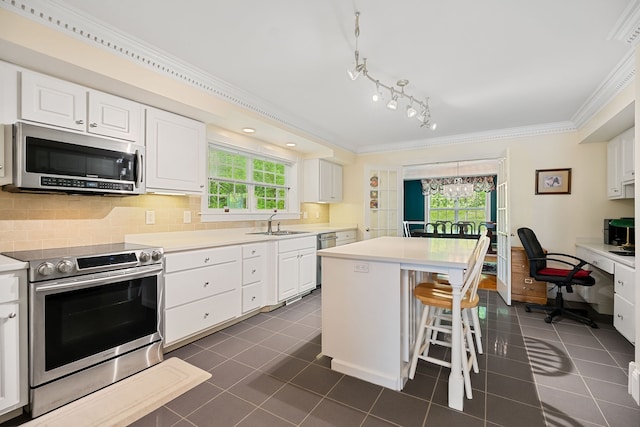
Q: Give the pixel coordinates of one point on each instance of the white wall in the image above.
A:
(557, 219)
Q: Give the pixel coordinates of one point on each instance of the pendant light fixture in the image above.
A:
(360, 68)
(458, 188)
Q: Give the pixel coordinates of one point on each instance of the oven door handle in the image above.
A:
(97, 279)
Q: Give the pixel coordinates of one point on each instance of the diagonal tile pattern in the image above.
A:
(266, 372)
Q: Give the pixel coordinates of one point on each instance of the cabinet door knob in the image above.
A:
(253, 271)
(11, 316)
(621, 282)
(207, 259)
(206, 284)
(205, 315)
(620, 316)
(79, 122)
(93, 125)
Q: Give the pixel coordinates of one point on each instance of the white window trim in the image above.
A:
(487, 207)
(207, 215)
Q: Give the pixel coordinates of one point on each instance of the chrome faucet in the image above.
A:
(269, 229)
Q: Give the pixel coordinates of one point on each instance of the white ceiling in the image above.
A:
(489, 67)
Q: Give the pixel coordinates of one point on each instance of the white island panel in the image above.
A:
(361, 319)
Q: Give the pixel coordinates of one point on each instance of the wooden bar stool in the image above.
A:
(440, 282)
(435, 301)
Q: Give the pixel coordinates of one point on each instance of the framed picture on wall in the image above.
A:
(553, 181)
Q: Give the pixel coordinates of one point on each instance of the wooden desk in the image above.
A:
(369, 314)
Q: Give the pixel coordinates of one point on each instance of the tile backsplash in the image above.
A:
(40, 221)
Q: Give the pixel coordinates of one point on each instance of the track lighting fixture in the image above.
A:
(360, 68)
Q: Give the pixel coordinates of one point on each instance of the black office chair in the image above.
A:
(560, 277)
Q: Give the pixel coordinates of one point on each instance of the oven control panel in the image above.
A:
(69, 265)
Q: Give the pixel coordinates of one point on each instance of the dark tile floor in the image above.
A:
(266, 373)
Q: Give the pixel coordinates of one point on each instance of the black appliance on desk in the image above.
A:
(620, 232)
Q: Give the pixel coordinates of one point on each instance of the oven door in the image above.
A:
(80, 322)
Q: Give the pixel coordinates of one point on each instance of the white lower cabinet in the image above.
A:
(624, 301)
(202, 289)
(345, 237)
(13, 342)
(254, 268)
(297, 263)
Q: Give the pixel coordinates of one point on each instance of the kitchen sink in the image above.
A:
(279, 233)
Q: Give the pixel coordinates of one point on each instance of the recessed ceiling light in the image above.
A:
(291, 144)
(248, 130)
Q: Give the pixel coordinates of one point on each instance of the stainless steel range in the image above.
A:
(94, 318)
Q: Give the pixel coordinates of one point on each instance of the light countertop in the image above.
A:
(10, 264)
(434, 251)
(175, 241)
(603, 250)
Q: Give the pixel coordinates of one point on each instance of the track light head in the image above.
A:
(411, 110)
(393, 103)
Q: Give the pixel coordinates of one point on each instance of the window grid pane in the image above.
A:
(235, 178)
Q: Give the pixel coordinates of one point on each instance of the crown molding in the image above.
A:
(617, 80)
(627, 29)
(63, 18)
(467, 138)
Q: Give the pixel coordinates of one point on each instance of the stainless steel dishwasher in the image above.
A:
(325, 240)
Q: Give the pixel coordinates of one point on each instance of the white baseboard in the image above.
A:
(634, 382)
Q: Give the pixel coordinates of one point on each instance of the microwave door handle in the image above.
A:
(139, 174)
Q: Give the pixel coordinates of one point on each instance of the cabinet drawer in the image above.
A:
(201, 258)
(251, 251)
(623, 318)
(252, 270)
(9, 286)
(181, 322)
(345, 237)
(602, 262)
(624, 282)
(251, 297)
(191, 285)
(527, 286)
(286, 245)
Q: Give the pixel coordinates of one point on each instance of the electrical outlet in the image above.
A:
(186, 217)
(361, 267)
(150, 217)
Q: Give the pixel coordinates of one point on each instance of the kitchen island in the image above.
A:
(369, 314)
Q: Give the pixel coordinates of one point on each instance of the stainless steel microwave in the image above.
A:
(51, 160)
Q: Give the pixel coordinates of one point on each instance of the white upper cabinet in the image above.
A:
(113, 116)
(176, 153)
(628, 166)
(322, 181)
(55, 102)
(620, 166)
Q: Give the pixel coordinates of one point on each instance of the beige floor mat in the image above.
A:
(128, 400)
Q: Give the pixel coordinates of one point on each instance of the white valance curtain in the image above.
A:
(436, 185)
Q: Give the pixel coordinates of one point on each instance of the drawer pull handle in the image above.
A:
(620, 316)
(253, 252)
(206, 284)
(206, 315)
(253, 298)
(528, 281)
(207, 259)
(253, 271)
(621, 282)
